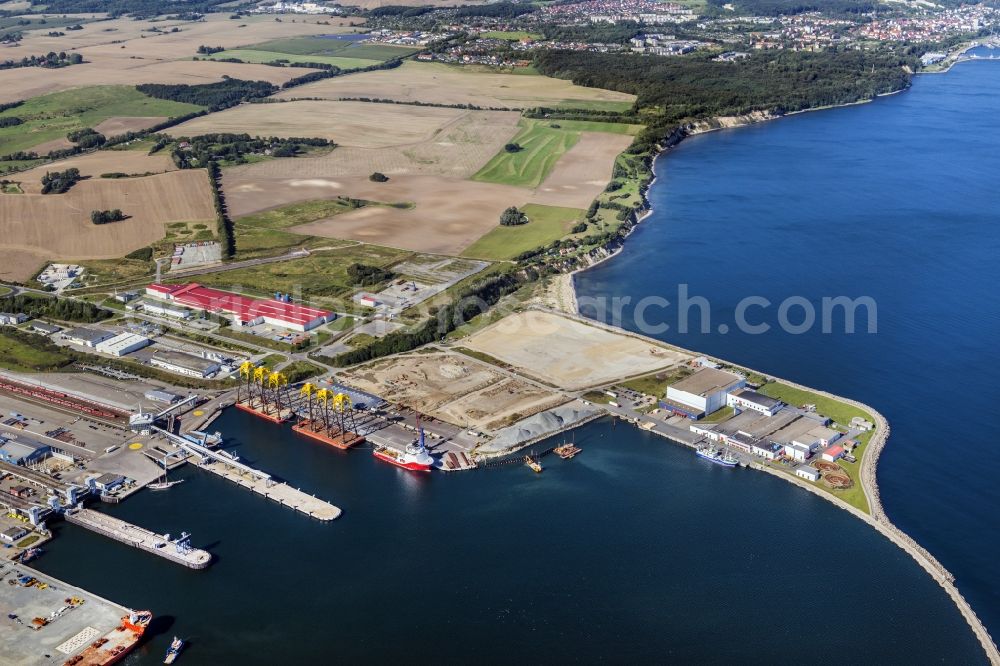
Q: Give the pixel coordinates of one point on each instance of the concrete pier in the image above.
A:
(281, 493)
(138, 537)
(52, 620)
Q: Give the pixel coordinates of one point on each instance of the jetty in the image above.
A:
(176, 550)
(230, 468)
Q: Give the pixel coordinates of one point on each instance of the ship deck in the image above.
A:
(67, 634)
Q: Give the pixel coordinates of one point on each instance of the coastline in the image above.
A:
(877, 518)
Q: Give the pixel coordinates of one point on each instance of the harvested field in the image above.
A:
(453, 389)
(583, 171)
(94, 164)
(447, 215)
(568, 353)
(355, 124)
(458, 150)
(253, 55)
(446, 84)
(35, 227)
(24, 83)
(123, 124)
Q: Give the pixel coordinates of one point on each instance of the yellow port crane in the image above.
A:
(343, 409)
(246, 372)
(308, 391)
(323, 397)
(277, 385)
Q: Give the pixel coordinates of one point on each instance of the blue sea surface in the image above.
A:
(899, 201)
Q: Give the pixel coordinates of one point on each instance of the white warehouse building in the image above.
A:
(703, 392)
(121, 344)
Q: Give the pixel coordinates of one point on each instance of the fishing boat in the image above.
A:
(175, 649)
(718, 456)
(535, 466)
(114, 645)
(414, 458)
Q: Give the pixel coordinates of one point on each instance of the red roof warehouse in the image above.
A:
(246, 311)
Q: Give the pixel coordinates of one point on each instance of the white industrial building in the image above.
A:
(121, 344)
(807, 472)
(87, 337)
(184, 364)
(164, 309)
(702, 393)
(746, 399)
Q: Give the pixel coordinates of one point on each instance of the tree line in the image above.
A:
(50, 60)
(62, 309)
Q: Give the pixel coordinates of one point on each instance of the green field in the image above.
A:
(597, 126)
(318, 46)
(53, 116)
(323, 274)
(547, 223)
(594, 105)
(541, 147)
(841, 412)
(19, 353)
(251, 55)
(656, 385)
(512, 35)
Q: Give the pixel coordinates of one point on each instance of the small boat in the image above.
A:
(163, 485)
(567, 450)
(175, 649)
(535, 466)
(718, 456)
(30, 554)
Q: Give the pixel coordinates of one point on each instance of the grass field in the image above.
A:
(320, 46)
(541, 147)
(656, 385)
(322, 276)
(22, 357)
(841, 412)
(264, 234)
(594, 105)
(255, 56)
(596, 126)
(548, 223)
(52, 116)
(512, 35)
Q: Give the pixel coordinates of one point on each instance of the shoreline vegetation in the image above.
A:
(876, 517)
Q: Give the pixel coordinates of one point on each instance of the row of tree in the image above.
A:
(50, 60)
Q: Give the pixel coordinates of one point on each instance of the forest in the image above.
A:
(674, 90)
(55, 308)
(215, 96)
